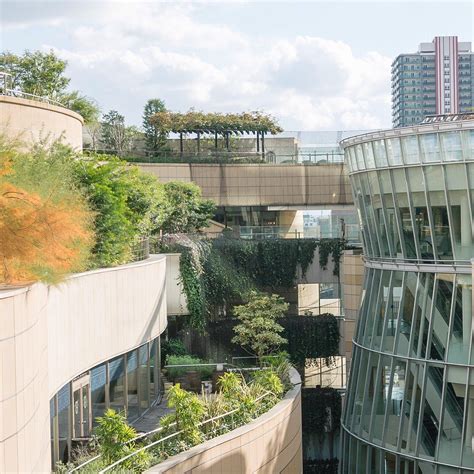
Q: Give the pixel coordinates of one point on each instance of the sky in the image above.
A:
(313, 65)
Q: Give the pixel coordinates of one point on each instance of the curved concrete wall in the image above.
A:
(270, 444)
(48, 335)
(30, 121)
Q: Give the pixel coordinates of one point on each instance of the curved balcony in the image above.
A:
(271, 443)
(49, 335)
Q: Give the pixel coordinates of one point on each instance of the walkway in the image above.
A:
(151, 419)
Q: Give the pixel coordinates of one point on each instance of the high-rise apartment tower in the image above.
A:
(438, 79)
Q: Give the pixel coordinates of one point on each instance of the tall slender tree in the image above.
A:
(155, 139)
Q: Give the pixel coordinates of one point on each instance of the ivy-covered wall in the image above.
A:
(309, 337)
(218, 274)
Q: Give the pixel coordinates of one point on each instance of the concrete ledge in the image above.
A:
(270, 444)
(30, 121)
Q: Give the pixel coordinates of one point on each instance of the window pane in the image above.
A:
(132, 385)
(380, 153)
(98, 384)
(410, 149)
(394, 152)
(429, 147)
(143, 377)
(117, 384)
(64, 402)
(451, 143)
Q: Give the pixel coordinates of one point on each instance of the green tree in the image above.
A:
(116, 136)
(184, 209)
(36, 72)
(156, 141)
(42, 74)
(114, 437)
(127, 204)
(258, 331)
(84, 106)
(189, 411)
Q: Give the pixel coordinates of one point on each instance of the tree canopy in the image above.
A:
(43, 74)
(116, 136)
(155, 139)
(258, 330)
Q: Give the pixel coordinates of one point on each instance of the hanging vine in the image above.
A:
(216, 274)
(311, 337)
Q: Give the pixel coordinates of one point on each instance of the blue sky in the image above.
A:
(314, 65)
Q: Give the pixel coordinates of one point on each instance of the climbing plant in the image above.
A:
(217, 274)
(311, 337)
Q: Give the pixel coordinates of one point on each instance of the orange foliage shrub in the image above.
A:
(41, 237)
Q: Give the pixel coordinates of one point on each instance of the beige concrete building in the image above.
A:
(30, 121)
(67, 345)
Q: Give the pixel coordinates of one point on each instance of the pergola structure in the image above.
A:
(216, 124)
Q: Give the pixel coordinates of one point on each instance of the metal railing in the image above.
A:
(141, 249)
(5, 89)
(212, 434)
(137, 155)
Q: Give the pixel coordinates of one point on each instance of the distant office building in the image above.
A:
(438, 79)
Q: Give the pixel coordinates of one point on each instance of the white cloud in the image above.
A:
(164, 50)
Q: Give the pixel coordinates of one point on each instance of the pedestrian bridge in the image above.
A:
(278, 186)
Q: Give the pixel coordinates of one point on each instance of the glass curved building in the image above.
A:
(410, 400)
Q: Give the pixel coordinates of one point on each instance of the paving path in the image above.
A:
(151, 419)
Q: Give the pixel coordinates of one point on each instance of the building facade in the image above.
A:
(410, 399)
(438, 79)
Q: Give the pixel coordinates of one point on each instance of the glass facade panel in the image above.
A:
(154, 370)
(369, 155)
(143, 378)
(411, 389)
(360, 157)
(380, 153)
(64, 423)
(117, 384)
(394, 151)
(450, 444)
(98, 390)
(430, 147)
(451, 146)
(410, 149)
(132, 385)
(394, 404)
(108, 383)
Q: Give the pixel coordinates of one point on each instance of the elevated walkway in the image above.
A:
(284, 186)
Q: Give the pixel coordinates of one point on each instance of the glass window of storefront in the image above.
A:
(127, 383)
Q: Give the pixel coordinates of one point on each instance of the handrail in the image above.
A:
(154, 443)
(26, 95)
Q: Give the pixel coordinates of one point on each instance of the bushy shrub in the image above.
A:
(114, 437)
(171, 347)
(175, 372)
(45, 222)
(126, 201)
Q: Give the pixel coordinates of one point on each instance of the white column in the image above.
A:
(466, 228)
(466, 318)
(470, 423)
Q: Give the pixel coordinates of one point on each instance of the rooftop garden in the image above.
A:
(62, 212)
